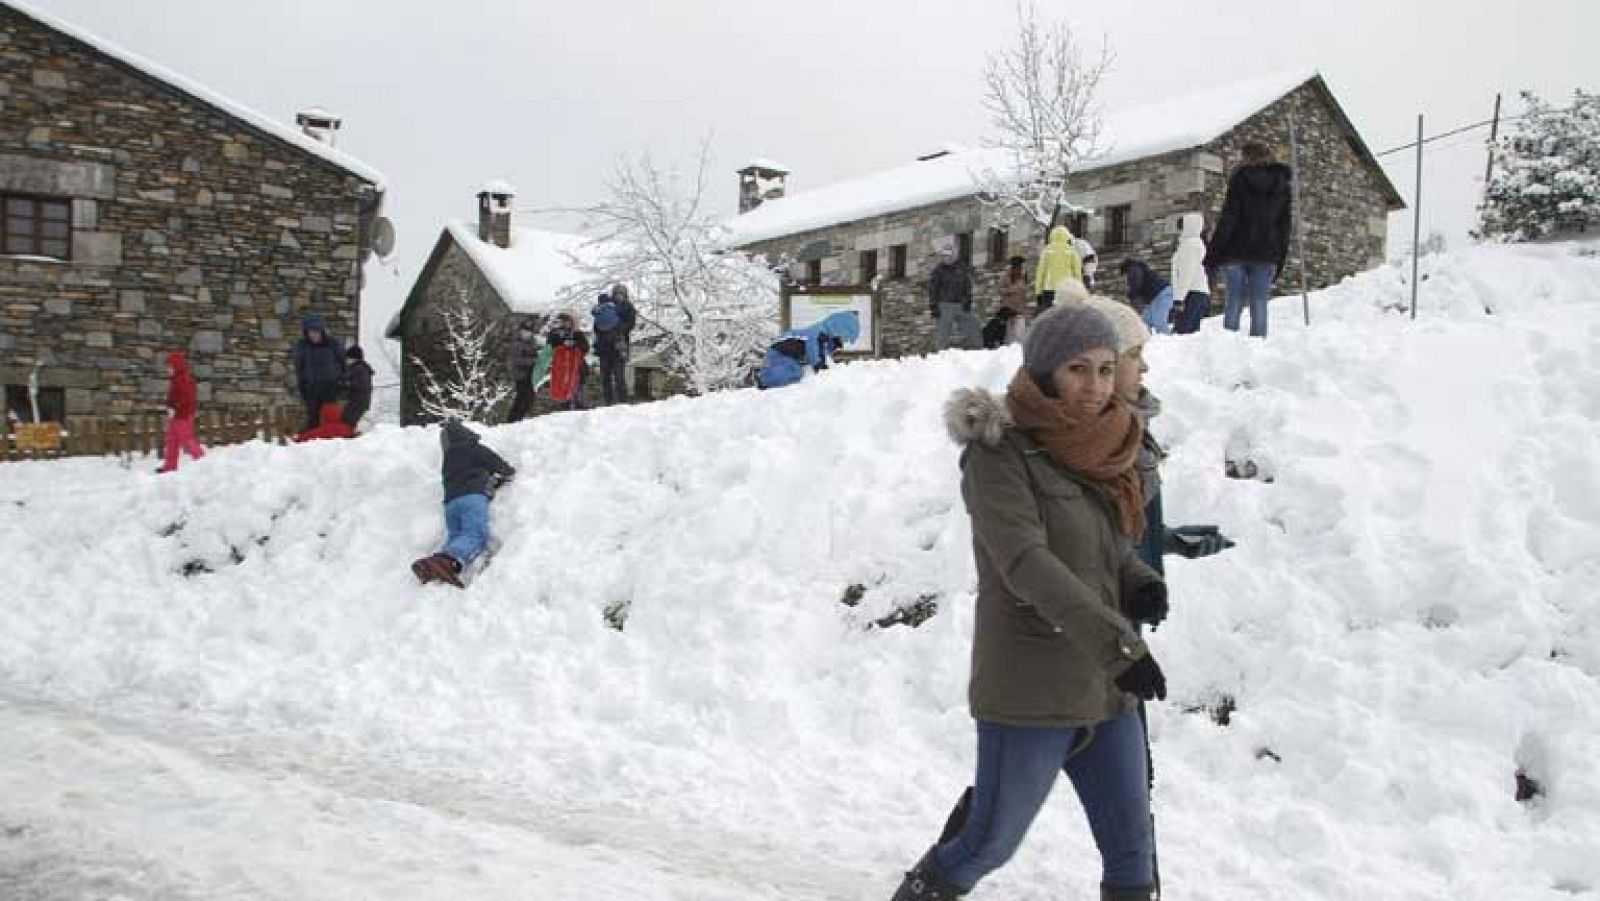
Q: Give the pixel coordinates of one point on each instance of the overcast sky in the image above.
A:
(444, 96)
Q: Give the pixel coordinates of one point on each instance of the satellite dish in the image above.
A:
(383, 237)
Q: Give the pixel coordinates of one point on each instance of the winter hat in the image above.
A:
(1071, 291)
(1061, 333)
(355, 353)
(1131, 330)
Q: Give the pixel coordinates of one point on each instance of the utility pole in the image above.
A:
(1416, 221)
(1494, 132)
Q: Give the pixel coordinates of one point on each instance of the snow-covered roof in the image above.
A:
(497, 186)
(767, 165)
(530, 274)
(1164, 127)
(273, 127)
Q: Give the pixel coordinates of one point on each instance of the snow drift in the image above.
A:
(227, 684)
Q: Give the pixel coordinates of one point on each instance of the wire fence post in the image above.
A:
(1416, 221)
(1299, 220)
(1494, 132)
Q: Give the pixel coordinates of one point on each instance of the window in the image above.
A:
(997, 247)
(869, 266)
(964, 248)
(37, 226)
(813, 272)
(897, 261)
(1117, 225)
(1078, 224)
(52, 404)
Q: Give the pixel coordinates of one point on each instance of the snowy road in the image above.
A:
(97, 808)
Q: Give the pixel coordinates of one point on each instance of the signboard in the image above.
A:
(805, 305)
(37, 436)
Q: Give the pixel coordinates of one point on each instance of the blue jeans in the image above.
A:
(1017, 766)
(466, 525)
(1159, 311)
(1248, 282)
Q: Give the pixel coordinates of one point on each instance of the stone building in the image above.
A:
(500, 273)
(143, 213)
(1162, 161)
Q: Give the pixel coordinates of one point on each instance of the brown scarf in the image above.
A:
(1102, 449)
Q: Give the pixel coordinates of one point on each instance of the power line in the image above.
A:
(1464, 128)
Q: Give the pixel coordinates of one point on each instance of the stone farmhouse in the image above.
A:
(1161, 161)
(501, 273)
(142, 213)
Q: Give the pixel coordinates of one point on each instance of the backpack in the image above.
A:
(606, 316)
(629, 314)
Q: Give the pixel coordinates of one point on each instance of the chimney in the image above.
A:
(760, 181)
(319, 124)
(494, 213)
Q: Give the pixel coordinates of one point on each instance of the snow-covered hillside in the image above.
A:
(226, 683)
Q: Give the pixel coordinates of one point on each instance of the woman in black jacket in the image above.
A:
(1252, 237)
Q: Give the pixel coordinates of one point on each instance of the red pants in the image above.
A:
(180, 435)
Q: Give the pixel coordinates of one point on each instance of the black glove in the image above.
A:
(1148, 604)
(1144, 679)
(1195, 541)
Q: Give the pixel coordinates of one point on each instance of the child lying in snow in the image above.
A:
(471, 475)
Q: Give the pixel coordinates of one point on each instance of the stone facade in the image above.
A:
(191, 230)
(1345, 205)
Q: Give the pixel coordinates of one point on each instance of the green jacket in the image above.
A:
(1053, 569)
(1059, 262)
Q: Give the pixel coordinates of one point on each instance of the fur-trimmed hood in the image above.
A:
(976, 416)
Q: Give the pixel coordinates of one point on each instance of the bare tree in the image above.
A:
(709, 310)
(1040, 93)
(468, 389)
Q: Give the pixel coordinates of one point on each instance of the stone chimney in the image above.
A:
(760, 181)
(320, 124)
(494, 213)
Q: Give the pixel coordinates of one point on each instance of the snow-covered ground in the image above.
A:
(226, 684)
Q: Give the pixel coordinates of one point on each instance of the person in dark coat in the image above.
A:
(1149, 293)
(611, 346)
(950, 301)
(358, 387)
(471, 474)
(522, 355)
(1058, 666)
(318, 366)
(1251, 241)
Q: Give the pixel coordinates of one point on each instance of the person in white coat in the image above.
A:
(1189, 280)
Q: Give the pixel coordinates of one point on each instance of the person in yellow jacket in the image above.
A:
(1058, 265)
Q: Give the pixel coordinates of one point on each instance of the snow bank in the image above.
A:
(195, 669)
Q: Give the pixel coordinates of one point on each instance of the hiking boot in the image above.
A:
(447, 569)
(924, 882)
(422, 568)
(1139, 893)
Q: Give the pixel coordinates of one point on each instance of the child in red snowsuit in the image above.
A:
(180, 413)
(331, 425)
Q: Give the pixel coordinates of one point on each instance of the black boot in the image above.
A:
(924, 882)
(1137, 893)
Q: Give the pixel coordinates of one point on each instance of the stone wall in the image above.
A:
(1344, 206)
(191, 231)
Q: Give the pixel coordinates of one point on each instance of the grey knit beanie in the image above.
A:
(1063, 332)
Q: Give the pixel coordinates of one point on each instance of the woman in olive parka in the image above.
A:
(1058, 667)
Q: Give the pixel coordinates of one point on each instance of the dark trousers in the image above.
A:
(1195, 306)
(521, 395)
(355, 408)
(315, 396)
(613, 387)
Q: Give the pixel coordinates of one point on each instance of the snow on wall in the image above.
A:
(1164, 127)
(1408, 618)
(233, 108)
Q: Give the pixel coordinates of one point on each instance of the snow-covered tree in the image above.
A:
(1546, 176)
(467, 388)
(709, 310)
(1040, 94)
